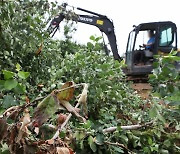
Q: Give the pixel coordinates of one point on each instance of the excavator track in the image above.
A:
(137, 79)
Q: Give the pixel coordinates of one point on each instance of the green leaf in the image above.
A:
(146, 150)
(8, 101)
(118, 149)
(76, 135)
(62, 134)
(124, 138)
(173, 52)
(167, 143)
(79, 135)
(174, 103)
(98, 38)
(23, 75)
(92, 38)
(155, 64)
(2, 84)
(92, 144)
(153, 112)
(82, 144)
(99, 139)
(4, 149)
(166, 71)
(8, 74)
(87, 124)
(18, 67)
(150, 142)
(19, 89)
(82, 135)
(10, 84)
(174, 58)
(164, 151)
(160, 117)
(90, 45)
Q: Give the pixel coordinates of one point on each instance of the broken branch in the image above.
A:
(130, 127)
(73, 86)
(64, 124)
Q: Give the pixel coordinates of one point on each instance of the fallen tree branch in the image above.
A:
(130, 127)
(21, 108)
(40, 98)
(119, 145)
(73, 86)
(34, 102)
(64, 124)
(81, 100)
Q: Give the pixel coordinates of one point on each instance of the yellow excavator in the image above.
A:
(165, 34)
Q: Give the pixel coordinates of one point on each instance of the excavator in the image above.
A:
(165, 34)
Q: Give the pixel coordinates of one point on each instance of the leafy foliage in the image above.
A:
(166, 77)
(13, 88)
(166, 107)
(111, 101)
(22, 30)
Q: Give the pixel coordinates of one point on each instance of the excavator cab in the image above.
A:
(139, 59)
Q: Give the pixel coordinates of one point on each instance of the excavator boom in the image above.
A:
(100, 21)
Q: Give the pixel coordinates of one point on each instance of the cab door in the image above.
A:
(129, 50)
(167, 38)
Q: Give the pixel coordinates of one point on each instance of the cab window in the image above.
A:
(166, 36)
(142, 38)
(131, 41)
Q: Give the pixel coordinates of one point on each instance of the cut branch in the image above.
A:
(73, 86)
(130, 127)
(33, 103)
(64, 124)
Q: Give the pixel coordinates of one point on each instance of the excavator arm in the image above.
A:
(100, 21)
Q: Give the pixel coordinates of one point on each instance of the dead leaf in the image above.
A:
(83, 99)
(39, 49)
(71, 151)
(40, 85)
(3, 129)
(24, 130)
(61, 118)
(30, 149)
(62, 150)
(26, 119)
(27, 99)
(51, 141)
(12, 134)
(83, 96)
(67, 94)
(10, 111)
(45, 109)
(71, 109)
(36, 130)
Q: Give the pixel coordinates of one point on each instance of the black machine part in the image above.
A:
(104, 24)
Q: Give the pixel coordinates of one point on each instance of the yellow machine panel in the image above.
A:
(100, 22)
